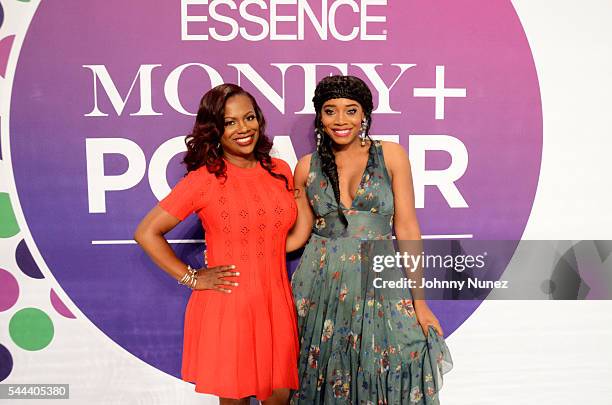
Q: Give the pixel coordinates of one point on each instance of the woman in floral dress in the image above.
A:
(358, 344)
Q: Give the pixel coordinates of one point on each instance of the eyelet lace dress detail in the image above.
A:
(244, 343)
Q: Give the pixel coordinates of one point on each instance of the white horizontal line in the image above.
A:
(456, 236)
(133, 242)
(176, 241)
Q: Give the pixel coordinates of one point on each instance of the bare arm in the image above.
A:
(150, 236)
(406, 223)
(299, 234)
(407, 226)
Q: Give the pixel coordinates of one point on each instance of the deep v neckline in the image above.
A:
(361, 181)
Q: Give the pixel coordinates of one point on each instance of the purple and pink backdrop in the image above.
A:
(102, 90)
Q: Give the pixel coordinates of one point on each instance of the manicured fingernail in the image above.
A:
(235, 284)
(237, 273)
(233, 266)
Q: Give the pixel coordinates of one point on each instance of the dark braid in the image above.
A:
(331, 87)
(328, 165)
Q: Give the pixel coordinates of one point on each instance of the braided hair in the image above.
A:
(332, 87)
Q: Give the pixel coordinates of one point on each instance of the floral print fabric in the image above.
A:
(358, 345)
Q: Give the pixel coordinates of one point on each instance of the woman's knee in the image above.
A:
(230, 401)
(279, 396)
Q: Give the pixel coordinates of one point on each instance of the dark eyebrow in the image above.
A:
(335, 106)
(230, 117)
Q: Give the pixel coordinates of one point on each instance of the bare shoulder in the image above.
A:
(300, 174)
(303, 165)
(396, 158)
(393, 150)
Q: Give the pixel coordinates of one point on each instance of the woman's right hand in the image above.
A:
(213, 278)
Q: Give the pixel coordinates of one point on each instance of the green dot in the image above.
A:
(8, 225)
(31, 329)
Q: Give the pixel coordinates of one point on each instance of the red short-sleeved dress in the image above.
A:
(243, 343)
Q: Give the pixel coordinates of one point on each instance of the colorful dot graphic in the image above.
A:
(6, 362)
(5, 50)
(9, 290)
(26, 262)
(31, 329)
(8, 225)
(59, 306)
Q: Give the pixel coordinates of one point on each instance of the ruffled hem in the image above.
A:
(414, 382)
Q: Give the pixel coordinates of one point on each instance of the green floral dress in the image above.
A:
(358, 345)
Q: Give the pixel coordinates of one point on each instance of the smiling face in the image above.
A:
(241, 128)
(341, 119)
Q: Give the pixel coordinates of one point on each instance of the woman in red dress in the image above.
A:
(240, 324)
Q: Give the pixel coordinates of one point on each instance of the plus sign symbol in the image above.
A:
(440, 93)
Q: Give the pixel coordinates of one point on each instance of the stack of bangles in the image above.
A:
(189, 279)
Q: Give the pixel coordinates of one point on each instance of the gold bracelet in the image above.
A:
(184, 279)
(192, 279)
(189, 278)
